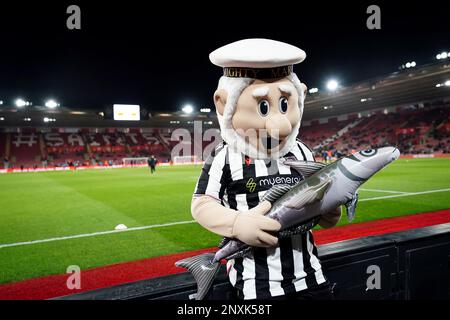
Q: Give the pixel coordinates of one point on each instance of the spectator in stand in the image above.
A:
(5, 163)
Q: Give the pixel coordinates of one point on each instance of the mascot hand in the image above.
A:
(253, 228)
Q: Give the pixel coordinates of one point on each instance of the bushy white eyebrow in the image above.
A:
(260, 92)
(286, 88)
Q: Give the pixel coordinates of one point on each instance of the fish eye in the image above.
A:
(368, 152)
(283, 104)
(263, 107)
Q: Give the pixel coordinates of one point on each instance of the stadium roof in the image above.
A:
(410, 86)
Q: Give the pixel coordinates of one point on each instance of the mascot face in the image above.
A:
(267, 113)
(259, 99)
(260, 118)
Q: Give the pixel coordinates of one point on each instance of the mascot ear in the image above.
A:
(304, 88)
(220, 99)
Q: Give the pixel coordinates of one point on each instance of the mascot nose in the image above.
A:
(278, 126)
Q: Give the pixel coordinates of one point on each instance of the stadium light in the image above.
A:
(20, 103)
(443, 55)
(51, 104)
(447, 83)
(205, 110)
(1, 102)
(188, 109)
(2, 119)
(332, 85)
(27, 119)
(313, 90)
(408, 65)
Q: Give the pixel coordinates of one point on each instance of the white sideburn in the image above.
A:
(234, 88)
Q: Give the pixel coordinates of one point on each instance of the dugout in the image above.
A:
(413, 264)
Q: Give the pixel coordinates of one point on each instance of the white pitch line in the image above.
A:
(405, 194)
(181, 222)
(85, 235)
(385, 191)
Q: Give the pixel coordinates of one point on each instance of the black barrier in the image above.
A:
(413, 264)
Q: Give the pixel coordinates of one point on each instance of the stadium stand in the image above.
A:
(24, 148)
(59, 148)
(415, 130)
(409, 109)
(63, 147)
(4, 153)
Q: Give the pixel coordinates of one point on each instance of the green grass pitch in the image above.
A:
(36, 206)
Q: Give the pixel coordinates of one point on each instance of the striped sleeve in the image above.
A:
(306, 151)
(214, 176)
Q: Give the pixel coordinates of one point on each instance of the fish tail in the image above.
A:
(204, 269)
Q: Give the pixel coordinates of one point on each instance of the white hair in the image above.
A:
(234, 88)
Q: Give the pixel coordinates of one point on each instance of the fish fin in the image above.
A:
(306, 168)
(240, 254)
(300, 228)
(310, 195)
(276, 192)
(350, 206)
(223, 242)
(204, 270)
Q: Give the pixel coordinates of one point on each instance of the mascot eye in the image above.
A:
(283, 104)
(263, 107)
(368, 152)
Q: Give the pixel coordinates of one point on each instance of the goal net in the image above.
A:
(134, 161)
(185, 159)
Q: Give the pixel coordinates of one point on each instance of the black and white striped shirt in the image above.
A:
(239, 183)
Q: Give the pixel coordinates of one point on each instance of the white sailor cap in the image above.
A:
(257, 58)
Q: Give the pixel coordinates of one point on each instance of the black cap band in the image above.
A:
(258, 73)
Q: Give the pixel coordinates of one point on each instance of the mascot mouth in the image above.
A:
(269, 143)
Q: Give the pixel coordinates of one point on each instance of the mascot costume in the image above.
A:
(259, 104)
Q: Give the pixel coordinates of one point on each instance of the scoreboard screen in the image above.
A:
(127, 112)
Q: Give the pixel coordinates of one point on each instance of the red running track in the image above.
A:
(55, 286)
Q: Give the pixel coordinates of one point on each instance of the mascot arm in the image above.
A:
(330, 219)
(251, 227)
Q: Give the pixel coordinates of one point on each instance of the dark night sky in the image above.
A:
(133, 52)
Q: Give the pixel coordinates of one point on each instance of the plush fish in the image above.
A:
(298, 208)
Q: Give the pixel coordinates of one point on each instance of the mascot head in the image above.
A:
(259, 99)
